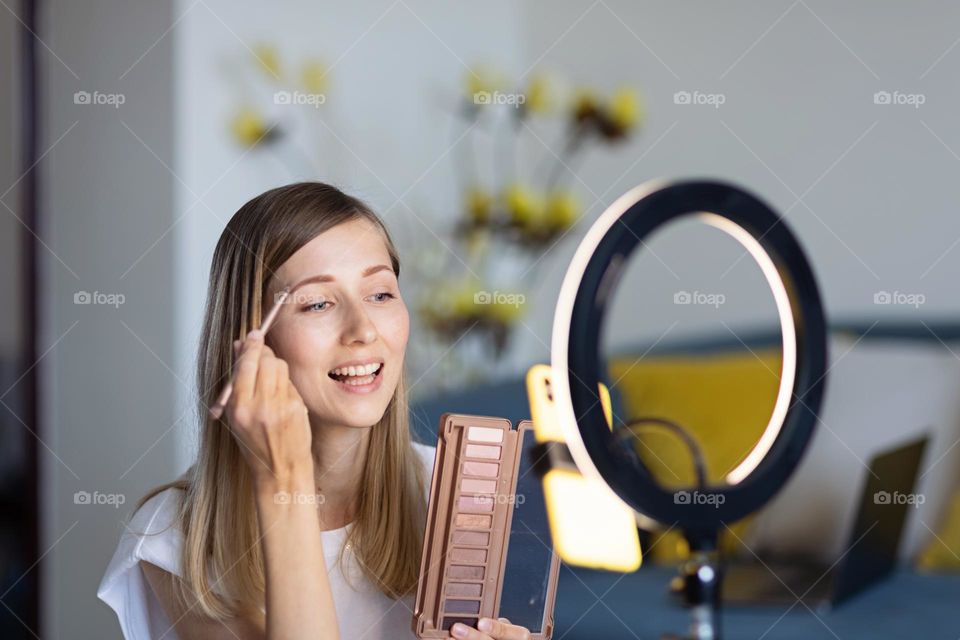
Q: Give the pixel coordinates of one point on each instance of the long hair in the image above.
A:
(218, 514)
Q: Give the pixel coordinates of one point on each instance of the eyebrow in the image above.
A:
(369, 271)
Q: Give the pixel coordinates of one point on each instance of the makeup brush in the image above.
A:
(217, 409)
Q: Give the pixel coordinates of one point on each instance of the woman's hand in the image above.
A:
(269, 420)
(490, 629)
(268, 417)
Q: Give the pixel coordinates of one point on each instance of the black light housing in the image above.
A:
(587, 290)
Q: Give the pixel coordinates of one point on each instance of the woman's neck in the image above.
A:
(338, 456)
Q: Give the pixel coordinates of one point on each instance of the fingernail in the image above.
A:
(236, 344)
(459, 630)
(256, 334)
(486, 624)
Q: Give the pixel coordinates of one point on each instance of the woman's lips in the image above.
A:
(370, 383)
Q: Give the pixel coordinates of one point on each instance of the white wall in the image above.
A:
(799, 115)
(108, 397)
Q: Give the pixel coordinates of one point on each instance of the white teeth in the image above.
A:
(364, 370)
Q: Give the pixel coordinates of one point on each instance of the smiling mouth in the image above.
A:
(357, 376)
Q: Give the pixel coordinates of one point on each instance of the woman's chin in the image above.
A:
(361, 418)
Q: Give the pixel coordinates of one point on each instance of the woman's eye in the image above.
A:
(317, 306)
(383, 293)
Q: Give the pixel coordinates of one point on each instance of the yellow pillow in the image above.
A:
(941, 551)
(723, 400)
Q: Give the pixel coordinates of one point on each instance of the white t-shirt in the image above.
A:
(363, 611)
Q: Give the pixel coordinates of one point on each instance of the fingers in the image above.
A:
(501, 629)
(267, 373)
(281, 382)
(245, 376)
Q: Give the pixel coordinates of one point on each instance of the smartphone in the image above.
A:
(589, 524)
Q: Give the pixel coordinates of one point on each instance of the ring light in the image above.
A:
(582, 305)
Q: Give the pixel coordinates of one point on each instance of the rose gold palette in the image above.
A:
(487, 551)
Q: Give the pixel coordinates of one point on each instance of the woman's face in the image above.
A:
(343, 318)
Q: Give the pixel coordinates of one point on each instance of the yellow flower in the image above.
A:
(461, 303)
(479, 203)
(539, 96)
(314, 76)
(268, 58)
(524, 206)
(482, 80)
(625, 109)
(562, 210)
(585, 104)
(505, 309)
(249, 128)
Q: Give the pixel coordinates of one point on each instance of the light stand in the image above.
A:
(598, 453)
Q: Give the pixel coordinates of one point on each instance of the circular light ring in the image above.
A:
(587, 290)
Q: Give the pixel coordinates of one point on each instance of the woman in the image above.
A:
(303, 515)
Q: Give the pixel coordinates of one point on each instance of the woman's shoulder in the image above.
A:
(159, 515)
(153, 535)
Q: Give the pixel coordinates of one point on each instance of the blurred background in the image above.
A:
(489, 137)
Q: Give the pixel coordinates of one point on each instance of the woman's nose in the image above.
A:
(358, 327)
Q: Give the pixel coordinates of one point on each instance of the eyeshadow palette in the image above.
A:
(487, 550)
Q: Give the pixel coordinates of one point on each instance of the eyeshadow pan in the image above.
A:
(486, 469)
(475, 504)
(465, 571)
(485, 434)
(479, 538)
(464, 589)
(474, 521)
(468, 555)
(462, 606)
(478, 486)
(483, 451)
(449, 622)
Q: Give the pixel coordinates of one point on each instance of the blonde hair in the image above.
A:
(218, 516)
